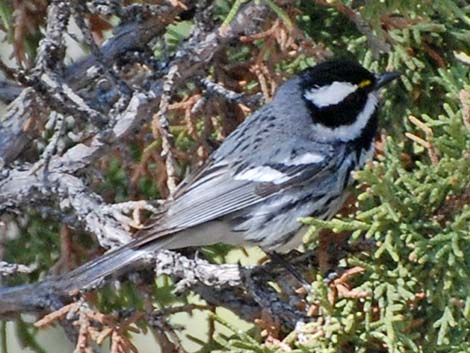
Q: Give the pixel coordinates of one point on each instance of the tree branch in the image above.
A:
(244, 290)
(15, 130)
(19, 187)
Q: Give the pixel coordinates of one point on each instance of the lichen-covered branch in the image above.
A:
(15, 132)
(244, 290)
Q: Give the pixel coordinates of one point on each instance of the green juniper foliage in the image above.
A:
(412, 293)
(414, 203)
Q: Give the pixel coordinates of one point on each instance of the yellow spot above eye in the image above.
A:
(364, 83)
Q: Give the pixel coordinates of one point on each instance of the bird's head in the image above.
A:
(342, 97)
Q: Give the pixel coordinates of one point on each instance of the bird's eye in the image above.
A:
(364, 83)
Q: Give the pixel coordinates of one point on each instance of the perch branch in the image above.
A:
(243, 290)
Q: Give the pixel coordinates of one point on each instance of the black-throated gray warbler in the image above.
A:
(292, 158)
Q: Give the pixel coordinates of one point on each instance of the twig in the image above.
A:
(187, 308)
(426, 143)
(58, 314)
(117, 82)
(231, 96)
(118, 211)
(61, 98)
(105, 7)
(83, 340)
(464, 96)
(161, 125)
(52, 49)
(7, 269)
(52, 147)
(165, 333)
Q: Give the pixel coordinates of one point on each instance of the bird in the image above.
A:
(291, 158)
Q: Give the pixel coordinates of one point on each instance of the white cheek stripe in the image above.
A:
(306, 158)
(352, 131)
(261, 174)
(330, 94)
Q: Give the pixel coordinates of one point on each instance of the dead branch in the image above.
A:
(161, 128)
(15, 129)
(20, 187)
(244, 290)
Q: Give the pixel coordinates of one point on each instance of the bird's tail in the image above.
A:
(93, 272)
(115, 262)
(86, 276)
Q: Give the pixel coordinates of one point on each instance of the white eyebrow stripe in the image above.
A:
(261, 174)
(330, 94)
(306, 158)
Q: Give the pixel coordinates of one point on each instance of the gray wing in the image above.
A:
(220, 189)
